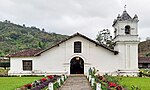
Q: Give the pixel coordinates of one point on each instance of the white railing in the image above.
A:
(51, 85)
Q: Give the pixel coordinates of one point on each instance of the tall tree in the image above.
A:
(104, 37)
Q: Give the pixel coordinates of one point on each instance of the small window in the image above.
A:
(77, 47)
(27, 65)
(127, 29)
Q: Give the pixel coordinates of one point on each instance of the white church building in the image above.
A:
(78, 53)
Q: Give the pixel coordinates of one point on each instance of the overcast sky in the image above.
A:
(71, 16)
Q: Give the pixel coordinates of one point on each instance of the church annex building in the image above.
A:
(78, 53)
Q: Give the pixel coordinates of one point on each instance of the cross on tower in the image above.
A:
(125, 7)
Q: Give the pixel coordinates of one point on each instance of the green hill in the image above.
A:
(15, 37)
(144, 48)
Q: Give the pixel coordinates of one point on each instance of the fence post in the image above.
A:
(87, 75)
(62, 78)
(98, 86)
(92, 81)
(20, 75)
(89, 78)
(58, 80)
(65, 76)
(45, 74)
(50, 86)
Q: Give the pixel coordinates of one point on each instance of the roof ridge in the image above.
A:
(77, 34)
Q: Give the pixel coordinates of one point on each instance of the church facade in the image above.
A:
(78, 53)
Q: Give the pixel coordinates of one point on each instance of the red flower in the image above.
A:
(43, 79)
(50, 77)
(111, 84)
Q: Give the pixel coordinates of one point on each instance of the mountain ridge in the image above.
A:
(14, 38)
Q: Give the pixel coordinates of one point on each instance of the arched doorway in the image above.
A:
(76, 66)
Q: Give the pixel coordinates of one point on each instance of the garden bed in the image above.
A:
(109, 82)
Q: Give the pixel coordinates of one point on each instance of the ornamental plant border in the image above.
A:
(106, 84)
(44, 82)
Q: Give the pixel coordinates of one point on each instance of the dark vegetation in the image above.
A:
(5, 64)
(15, 37)
(144, 48)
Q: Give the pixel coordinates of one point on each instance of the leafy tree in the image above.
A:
(2, 54)
(24, 25)
(14, 36)
(43, 30)
(104, 37)
(41, 45)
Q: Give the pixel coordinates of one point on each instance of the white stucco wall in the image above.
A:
(128, 52)
(16, 65)
(127, 44)
(57, 59)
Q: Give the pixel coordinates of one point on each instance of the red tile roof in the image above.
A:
(143, 59)
(25, 53)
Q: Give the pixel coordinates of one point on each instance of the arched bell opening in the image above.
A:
(127, 29)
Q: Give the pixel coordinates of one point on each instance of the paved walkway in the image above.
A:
(78, 82)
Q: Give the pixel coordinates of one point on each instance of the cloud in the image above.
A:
(70, 16)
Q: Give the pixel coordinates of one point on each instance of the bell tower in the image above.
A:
(126, 27)
(126, 40)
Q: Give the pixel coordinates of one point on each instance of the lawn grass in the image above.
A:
(142, 82)
(11, 83)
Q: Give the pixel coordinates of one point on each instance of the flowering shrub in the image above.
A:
(109, 82)
(41, 86)
(42, 83)
(43, 79)
(112, 84)
(50, 77)
(28, 86)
